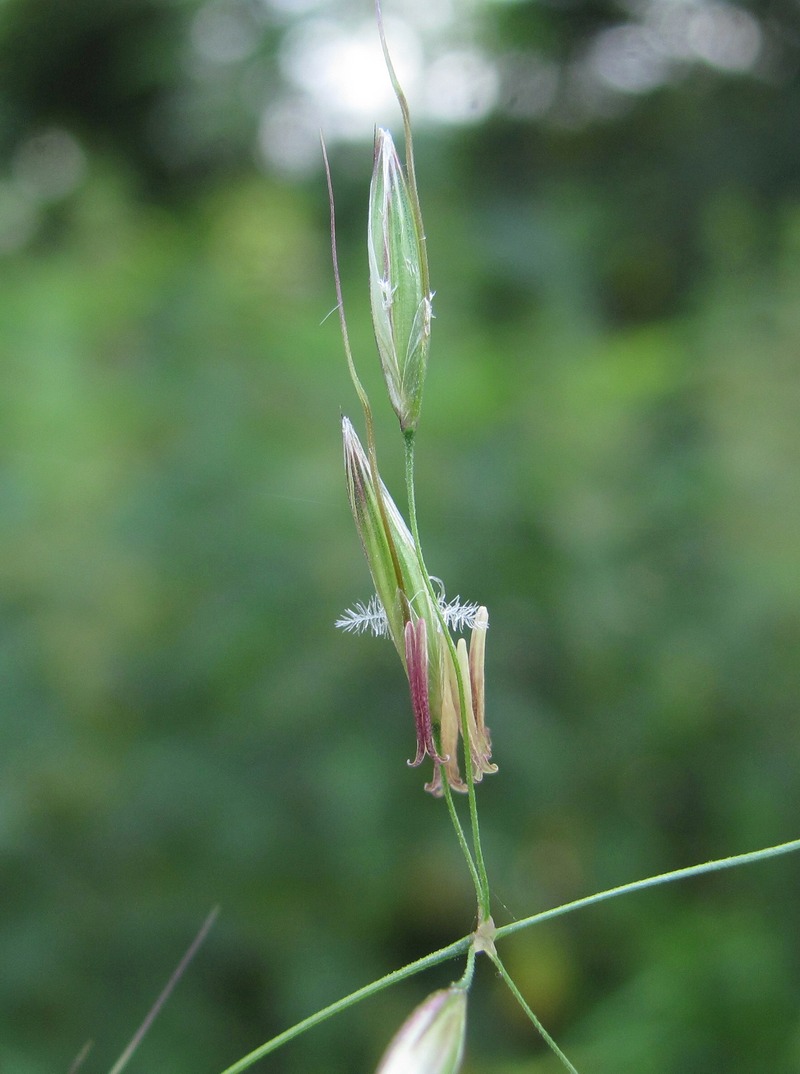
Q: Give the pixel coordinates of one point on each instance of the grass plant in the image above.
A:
(445, 675)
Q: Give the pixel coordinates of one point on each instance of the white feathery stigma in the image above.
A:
(370, 617)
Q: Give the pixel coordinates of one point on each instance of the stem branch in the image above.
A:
(466, 944)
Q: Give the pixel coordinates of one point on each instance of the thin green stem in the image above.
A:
(520, 999)
(462, 840)
(442, 955)
(650, 882)
(466, 979)
(482, 886)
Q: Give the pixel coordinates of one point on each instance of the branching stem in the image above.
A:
(466, 945)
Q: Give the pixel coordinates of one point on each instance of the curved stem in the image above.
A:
(442, 955)
(466, 980)
(520, 999)
(482, 886)
(650, 882)
(337, 282)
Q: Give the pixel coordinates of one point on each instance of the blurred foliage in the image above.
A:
(608, 458)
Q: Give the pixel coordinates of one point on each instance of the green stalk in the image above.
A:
(469, 972)
(482, 885)
(442, 955)
(539, 1027)
(650, 882)
(462, 841)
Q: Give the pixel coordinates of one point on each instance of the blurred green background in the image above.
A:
(609, 458)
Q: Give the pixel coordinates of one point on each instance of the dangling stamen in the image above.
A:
(450, 728)
(481, 743)
(417, 668)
